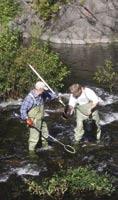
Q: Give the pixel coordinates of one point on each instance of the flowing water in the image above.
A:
(14, 157)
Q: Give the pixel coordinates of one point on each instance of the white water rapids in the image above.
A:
(108, 116)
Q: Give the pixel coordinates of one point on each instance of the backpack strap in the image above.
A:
(85, 93)
(30, 94)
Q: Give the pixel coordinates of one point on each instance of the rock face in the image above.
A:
(79, 22)
(93, 21)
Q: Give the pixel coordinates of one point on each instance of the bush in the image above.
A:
(15, 75)
(75, 182)
(10, 43)
(47, 8)
(8, 9)
(106, 75)
(47, 64)
(85, 179)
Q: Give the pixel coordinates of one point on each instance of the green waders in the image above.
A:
(82, 112)
(36, 114)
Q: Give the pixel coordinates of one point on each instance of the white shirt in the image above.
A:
(86, 96)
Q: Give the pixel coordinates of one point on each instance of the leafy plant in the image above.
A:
(74, 181)
(85, 179)
(46, 62)
(106, 75)
(82, 2)
(47, 8)
(10, 43)
(8, 9)
(15, 75)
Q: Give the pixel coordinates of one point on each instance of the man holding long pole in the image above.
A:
(32, 111)
(39, 76)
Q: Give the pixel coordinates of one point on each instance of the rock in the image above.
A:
(26, 39)
(77, 23)
(90, 22)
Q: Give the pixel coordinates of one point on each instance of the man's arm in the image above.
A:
(48, 96)
(26, 105)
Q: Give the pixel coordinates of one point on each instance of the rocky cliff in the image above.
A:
(93, 21)
(79, 22)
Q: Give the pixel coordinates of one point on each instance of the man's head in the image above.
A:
(40, 87)
(76, 90)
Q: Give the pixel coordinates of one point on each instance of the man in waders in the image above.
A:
(32, 111)
(83, 101)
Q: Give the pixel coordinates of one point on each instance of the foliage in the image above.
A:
(46, 62)
(8, 9)
(86, 179)
(35, 30)
(15, 75)
(10, 42)
(74, 181)
(8, 46)
(82, 2)
(106, 75)
(47, 8)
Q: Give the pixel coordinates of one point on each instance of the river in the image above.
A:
(83, 62)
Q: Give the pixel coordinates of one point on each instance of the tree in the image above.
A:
(106, 75)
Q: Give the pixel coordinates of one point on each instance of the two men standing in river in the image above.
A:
(82, 102)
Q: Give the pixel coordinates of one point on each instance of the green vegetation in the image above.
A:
(106, 75)
(82, 2)
(8, 9)
(74, 181)
(9, 45)
(46, 62)
(47, 8)
(15, 76)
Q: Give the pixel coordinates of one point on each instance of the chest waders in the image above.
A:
(37, 115)
(82, 113)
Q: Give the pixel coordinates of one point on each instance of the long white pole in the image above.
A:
(38, 75)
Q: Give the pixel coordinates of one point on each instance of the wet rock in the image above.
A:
(88, 158)
(102, 166)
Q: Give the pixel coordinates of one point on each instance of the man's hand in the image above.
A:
(68, 111)
(60, 99)
(29, 122)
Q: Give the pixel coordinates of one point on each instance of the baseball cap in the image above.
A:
(40, 85)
